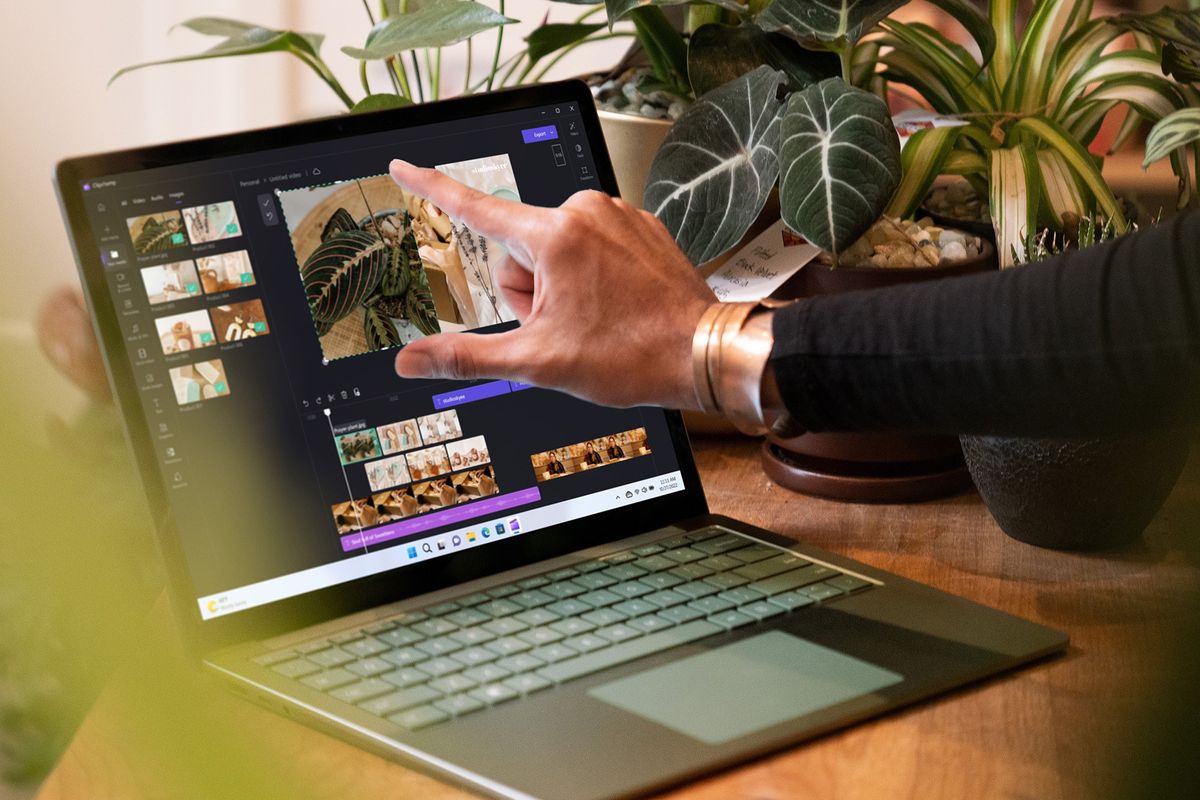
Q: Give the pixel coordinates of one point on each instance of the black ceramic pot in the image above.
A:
(1076, 494)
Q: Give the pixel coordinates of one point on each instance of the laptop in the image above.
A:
(426, 568)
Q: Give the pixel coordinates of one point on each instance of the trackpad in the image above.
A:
(745, 687)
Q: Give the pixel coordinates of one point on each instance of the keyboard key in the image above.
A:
(646, 550)
(487, 673)
(712, 605)
(406, 677)
(619, 558)
(680, 614)
(821, 591)
(586, 643)
(625, 572)
(297, 668)
(333, 657)
(494, 693)
(789, 601)
(474, 656)
(441, 646)
(503, 591)
(720, 544)
(848, 583)
(509, 645)
(536, 582)
(505, 626)
(540, 636)
(655, 563)
(270, 659)
(731, 619)
(794, 579)
(401, 637)
(379, 627)
(573, 626)
(452, 684)
(738, 596)
(473, 599)
(566, 573)
(568, 608)
(472, 636)
(761, 609)
(696, 589)
(442, 665)
(405, 656)
(771, 566)
(467, 617)
(409, 617)
(649, 623)
(630, 589)
(330, 679)
(417, 695)
(499, 608)
(363, 690)
(346, 637)
(635, 608)
(553, 652)
(618, 633)
(691, 572)
(665, 599)
(532, 599)
(441, 609)
(365, 647)
(727, 580)
(421, 717)
(536, 616)
(684, 555)
(520, 663)
(595, 580)
(601, 597)
(565, 589)
(675, 541)
(604, 616)
(628, 651)
(661, 580)
(755, 552)
(704, 534)
(370, 666)
(386, 704)
(435, 627)
(720, 563)
(528, 683)
(590, 566)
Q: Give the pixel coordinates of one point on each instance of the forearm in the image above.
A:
(1106, 339)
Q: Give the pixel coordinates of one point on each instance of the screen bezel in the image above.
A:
(324, 604)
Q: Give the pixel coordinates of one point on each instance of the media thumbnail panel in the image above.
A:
(204, 380)
(225, 272)
(382, 267)
(589, 454)
(167, 283)
(181, 333)
(211, 222)
(238, 321)
(156, 233)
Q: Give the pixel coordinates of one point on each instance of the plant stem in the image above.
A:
(664, 46)
(591, 12)
(846, 56)
(397, 71)
(558, 56)
(362, 76)
(412, 54)
(513, 62)
(324, 73)
(496, 55)
(467, 71)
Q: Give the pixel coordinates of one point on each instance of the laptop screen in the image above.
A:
(260, 298)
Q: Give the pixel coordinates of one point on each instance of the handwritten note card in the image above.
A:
(762, 266)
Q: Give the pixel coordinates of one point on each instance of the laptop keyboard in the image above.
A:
(424, 667)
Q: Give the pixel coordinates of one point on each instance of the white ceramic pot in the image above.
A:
(632, 142)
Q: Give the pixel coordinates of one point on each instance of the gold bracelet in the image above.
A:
(700, 375)
(739, 384)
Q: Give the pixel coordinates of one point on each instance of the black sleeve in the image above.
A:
(1102, 340)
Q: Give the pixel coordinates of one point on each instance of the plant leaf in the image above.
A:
(1013, 201)
(380, 331)
(242, 39)
(719, 53)
(1179, 31)
(975, 23)
(714, 171)
(379, 102)
(419, 306)
(340, 222)
(619, 8)
(840, 163)
(554, 36)
(1027, 87)
(1173, 131)
(438, 24)
(1060, 187)
(342, 272)
(921, 161)
(1003, 16)
(825, 25)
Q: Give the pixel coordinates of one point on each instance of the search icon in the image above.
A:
(426, 547)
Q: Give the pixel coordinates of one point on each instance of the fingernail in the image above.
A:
(414, 365)
(397, 163)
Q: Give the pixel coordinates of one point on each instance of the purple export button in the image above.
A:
(543, 134)
(470, 394)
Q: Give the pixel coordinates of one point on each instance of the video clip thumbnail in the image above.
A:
(181, 333)
(156, 233)
(589, 454)
(239, 321)
(211, 222)
(387, 472)
(167, 283)
(357, 446)
(203, 380)
(439, 427)
(398, 437)
(225, 272)
(427, 463)
(468, 453)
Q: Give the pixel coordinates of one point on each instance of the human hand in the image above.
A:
(607, 302)
(64, 332)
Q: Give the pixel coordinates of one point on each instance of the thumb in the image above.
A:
(463, 356)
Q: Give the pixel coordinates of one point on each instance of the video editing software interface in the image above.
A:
(261, 298)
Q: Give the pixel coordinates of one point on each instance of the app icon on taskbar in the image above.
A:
(514, 525)
(412, 552)
(486, 532)
(499, 528)
(470, 536)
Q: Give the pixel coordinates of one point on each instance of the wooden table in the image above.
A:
(1061, 728)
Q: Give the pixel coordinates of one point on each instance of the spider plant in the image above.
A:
(1031, 106)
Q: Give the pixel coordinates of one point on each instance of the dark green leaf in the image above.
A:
(619, 8)
(242, 39)
(1179, 33)
(379, 102)
(436, 25)
(419, 306)
(975, 23)
(156, 236)
(720, 53)
(340, 222)
(555, 36)
(828, 25)
(380, 331)
(714, 171)
(839, 163)
(342, 272)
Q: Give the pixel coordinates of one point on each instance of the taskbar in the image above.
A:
(479, 532)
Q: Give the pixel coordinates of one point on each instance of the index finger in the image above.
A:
(507, 221)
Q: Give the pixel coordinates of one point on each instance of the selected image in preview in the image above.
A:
(238, 321)
(225, 272)
(382, 267)
(181, 333)
(211, 222)
(156, 233)
(357, 446)
(167, 283)
(203, 380)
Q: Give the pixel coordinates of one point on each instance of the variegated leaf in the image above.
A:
(827, 24)
(714, 171)
(839, 163)
(1013, 201)
(419, 306)
(1179, 31)
(1176, 130)
(1060, 186)
(380, 331)
(340, 222)
(341, 272)
(921, 161)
